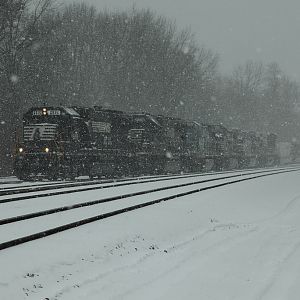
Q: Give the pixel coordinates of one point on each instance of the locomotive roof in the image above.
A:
(145, 117)
(153, 120)
(216, 127)
(96, 112)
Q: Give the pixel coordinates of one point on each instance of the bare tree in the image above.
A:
(281, 96)
(261, 98)
(130, 60)
(19, 20)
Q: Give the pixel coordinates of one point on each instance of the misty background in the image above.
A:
(230, 62)
(239, 30)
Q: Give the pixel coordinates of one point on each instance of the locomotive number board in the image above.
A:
(50, 112)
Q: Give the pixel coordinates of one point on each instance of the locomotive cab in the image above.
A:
(50, 135)
(144, 133)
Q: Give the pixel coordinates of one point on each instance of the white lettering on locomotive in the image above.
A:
(54, 112)
(37, 113)
(48, 112)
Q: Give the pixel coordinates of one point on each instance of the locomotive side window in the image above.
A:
(170, 132)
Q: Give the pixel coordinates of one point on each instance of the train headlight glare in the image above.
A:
(21, 150)
(47, 149)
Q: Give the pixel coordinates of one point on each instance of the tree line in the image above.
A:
(261, 98)
(130, 60)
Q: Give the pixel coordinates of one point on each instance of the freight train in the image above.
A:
(67, 142)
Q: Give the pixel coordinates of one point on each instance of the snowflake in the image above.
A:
(14, 78)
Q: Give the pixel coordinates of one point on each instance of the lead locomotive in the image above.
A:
(66, 142)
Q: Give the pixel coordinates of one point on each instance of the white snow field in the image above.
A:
(240, 241)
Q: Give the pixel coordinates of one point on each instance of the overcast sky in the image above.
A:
(239, 30)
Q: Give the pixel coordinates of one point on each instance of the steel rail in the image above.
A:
(117, 184)
(60, 185)
(110, 199)
(68, 226)
(84, 182)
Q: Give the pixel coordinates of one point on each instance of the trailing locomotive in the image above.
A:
(66, 142)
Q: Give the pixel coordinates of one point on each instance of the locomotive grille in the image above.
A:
(44, 132)
(101, 127)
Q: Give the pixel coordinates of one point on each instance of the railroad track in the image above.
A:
(9, 180)
(19, 229)
(5, 191)
(62, 188)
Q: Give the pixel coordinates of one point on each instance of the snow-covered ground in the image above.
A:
(236, 242)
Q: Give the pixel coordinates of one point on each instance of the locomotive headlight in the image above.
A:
(47, 149)
(44, 111)
(21, 150)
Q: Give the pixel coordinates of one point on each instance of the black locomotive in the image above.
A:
(66, 142)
